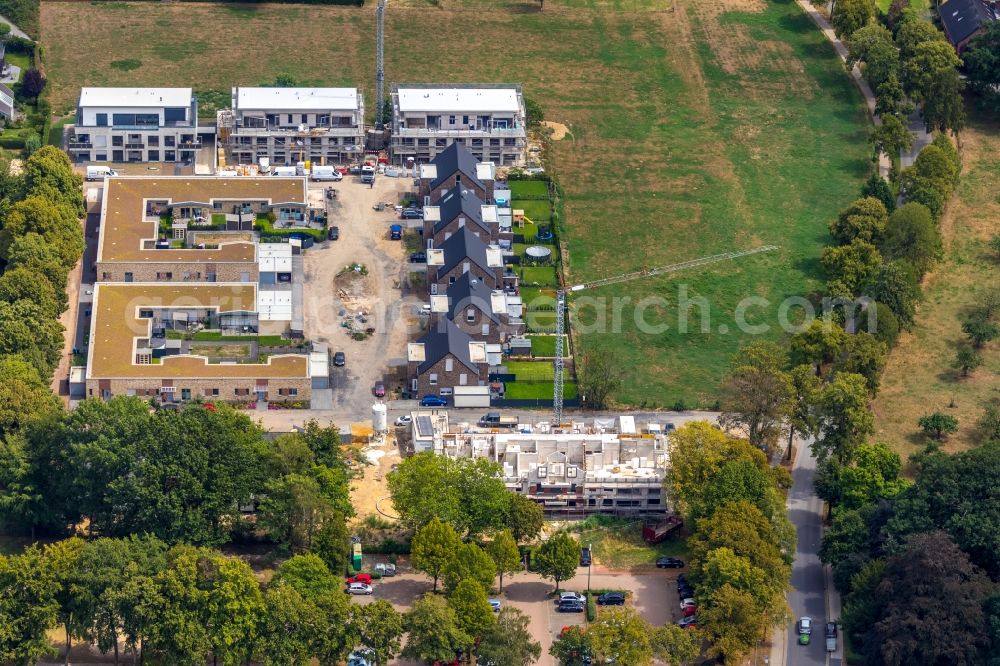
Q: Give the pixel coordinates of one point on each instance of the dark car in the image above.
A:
(682, 579)
(685, 592)
(585, 557)
(433, 401)
(379, 390)
(395, 232)
(333, 233)
(669, 563)
(612, 599)
(418, 258)
(691, 619)
(569, 606)
(411, 214)
(339, 359)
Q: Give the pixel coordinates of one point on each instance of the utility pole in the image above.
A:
(379, 63)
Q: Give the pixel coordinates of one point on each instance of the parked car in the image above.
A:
(804, 629)
(688, 611)
(685, 591)
(339, 359)
(585, 557)
(669, 563)
(572, 596)
(685, 621)
(831, 636)
(387, 570)
(411, 214)
(379, 390)
(403, 420)
(688, 602)
(570, 606)
(433, 401)
(333, 233)
(418, 258)
(682, 580)
(360, 657)
(361, 578)
(611, 599)
(359, 588)
(495, 605)
(670, 427)
(395, 232)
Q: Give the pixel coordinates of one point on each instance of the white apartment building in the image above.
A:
(291, 125)
(488, 120)
(135, 125)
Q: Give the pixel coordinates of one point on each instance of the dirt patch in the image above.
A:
(559, 131)
(353, 288)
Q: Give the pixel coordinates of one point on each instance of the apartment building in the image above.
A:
(135, 125)
(291, 125)
(456, 166)
(488, 120)
(595, 468)
(458, 208)
(179, 229)
(142, 343)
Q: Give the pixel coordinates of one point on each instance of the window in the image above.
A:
(290, 121)
(242, 391)
(449, 364)
(128, 277)
(293, 391)
(445, 391)
(169, 141)
(175, 114)
(105, 275)
(117, 141)
(117, 156)
(185, 394)
(463, 379)
(432, 379)
(451, 120)
(153, 141)
(102, 120)
(212, 391)
(486, 330)
(458, 179)
(413, 385)
(465, 120)
(154, 156)
(145, 314)
(470, 315)
(169, 156)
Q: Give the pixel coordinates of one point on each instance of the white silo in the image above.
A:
(380, 418)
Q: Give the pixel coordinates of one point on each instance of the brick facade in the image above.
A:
(438, 376)
(170, 271)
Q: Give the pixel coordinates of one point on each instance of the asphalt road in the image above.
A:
(807, 596)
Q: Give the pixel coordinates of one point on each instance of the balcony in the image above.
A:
(73, 144)
(481, 132)
(135, 145)
(189, 145)
(319, 132)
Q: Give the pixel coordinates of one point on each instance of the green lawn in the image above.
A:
(531, 370)
(529, 188)
(537, 390)
(617, 543)
(545, 345)
(535, 210)
(542, 276)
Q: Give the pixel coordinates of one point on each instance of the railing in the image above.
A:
(135, 144)
(290, 131)
(79, 145)
(189, 145)
(483, 132)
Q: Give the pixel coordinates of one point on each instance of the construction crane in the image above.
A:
(557, 387)
(379, 63)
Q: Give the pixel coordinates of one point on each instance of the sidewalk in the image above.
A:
(884, 164)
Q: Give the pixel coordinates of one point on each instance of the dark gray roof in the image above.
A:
(455, 158)
(469, 291)
(460, 201)
(461, 246)
(962, 18)
(445, 338)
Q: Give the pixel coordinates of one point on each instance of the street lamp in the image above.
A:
(590, 561)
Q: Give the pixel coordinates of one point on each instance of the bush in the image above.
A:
(591, 608)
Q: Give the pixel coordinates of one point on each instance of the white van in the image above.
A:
(326, 173)
(283, 171)
(100, 172)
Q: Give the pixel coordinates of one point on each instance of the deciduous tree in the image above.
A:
(980, 330)
(508, 641)
(32, 83)
(621, 636)
(676, 646)
(982, 66)
(912, 235)
(332, 543)
(572, 647)
(944, 107)
(601, 376)
(967, 359)
(472, 608)
(879, 188)
(28, 606)
(288, 627)
(379, 628)
(873, 45)
(557, 558)
(757, 393)
(433, 547)
(865, 355)
(24, 395)
(820, 344)
(938, 425)
(502, 549)
(849, 16)
(865, 219)
(434, 634)
(468, 562)
(896, 285)
(844, 416)
(308, 575)
(892, 136)
(851, 266)
(524, 518)
(293, 510)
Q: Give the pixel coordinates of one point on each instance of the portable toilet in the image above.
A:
(356, 558)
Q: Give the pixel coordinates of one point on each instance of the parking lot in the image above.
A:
(653, 595)
(380, 291)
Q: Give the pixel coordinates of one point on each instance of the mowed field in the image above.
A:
(919, 379)
(697, 127)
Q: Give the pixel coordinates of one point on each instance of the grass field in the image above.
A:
(545, 345)
(919, 379)
(617, 543)
(698, 127)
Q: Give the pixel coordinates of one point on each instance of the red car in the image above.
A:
(379, 390)
(360, 578)
(690, 610)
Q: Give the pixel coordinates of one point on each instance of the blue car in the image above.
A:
(395, 232)
(433, 401)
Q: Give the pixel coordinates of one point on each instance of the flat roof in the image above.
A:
(445, 99)
(124, 227)
(116, 327)
(135, 97)
(296, 99)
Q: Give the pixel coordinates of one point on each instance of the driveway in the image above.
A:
(653, 596)
(14, 30)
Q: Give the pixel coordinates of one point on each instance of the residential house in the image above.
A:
(964, 19)
(446, 357)
(481, 312)
(461, 253)
(456, 209)
(291, 125)
(135, 125)
(6, 102)
(455, 166)
(488, 120)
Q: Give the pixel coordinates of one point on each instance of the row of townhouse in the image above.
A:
(184, 290)
(474, 306)
(286, 126)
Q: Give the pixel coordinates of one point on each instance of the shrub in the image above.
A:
(591, 608)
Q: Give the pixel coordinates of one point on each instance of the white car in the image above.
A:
(495, 605)
(572, 596)
(688, 602)
(359, 588)
(360, 657)
(403, 420)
